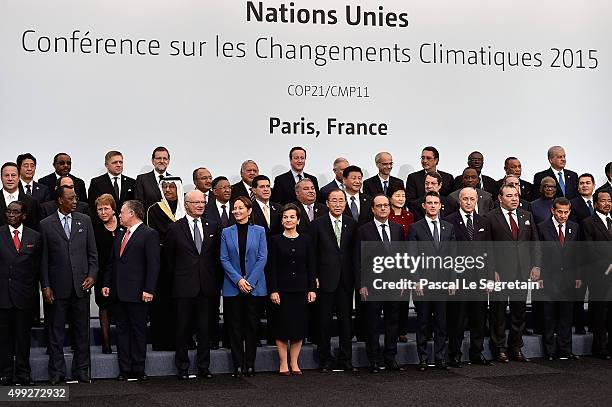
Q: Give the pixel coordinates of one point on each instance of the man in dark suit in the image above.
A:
(476, 161)
(131, 278)
(306, 194)
(340, 164)
(265, 212)
(122, 188)
(202, 179)
(27, 170)
(416, 181)
(433, 183)
(540, 208)
(248, 171)
(284, 184)
(192, 246)
(512, 166)
(358, 205)
(50, 208)
(433, 236)
(11, 193)
(560, 262)
(380, 229)
(514, 261)
(69, 267)
(20, 249)
(63, 164)
(333, 239)
(147, 184)
(219, 207)
(608, 171)
(469, 226)
(470, 179)
(597, 230)
(381, 183)
(567, 181)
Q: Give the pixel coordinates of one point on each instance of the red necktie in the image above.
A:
(16, 240)
(126, 237)
(513, 226)
(561, 235)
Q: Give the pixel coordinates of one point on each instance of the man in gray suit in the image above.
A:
(470, 178)
(69, 267)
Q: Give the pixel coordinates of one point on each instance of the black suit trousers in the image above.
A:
(425, 309)
(497, 315)
(456, 314)
(599, 313)
(243, 312)
(77, 311)
(131, 320)
(189, 311)
(15, 325)
(390, 310)
(341, 301)
(558, 318)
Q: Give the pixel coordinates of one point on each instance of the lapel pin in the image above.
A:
(569, 230)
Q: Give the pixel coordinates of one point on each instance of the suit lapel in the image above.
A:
(8, 241)
(186, 227)
(131, 239)
(502, 222)
(602, 227)
(58, 225)
(331, 232)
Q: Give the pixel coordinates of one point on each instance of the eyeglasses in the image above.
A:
(64, 162)
(196, 202)
(12, 212)
(381, 206)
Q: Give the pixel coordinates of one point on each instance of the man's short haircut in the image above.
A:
(608, 170)
(601, 192)
(340, 160)
(433, 150)
(587, 175)
(136, 207)
(561, 201)
(157, 150)
(334, 189)
(257, 179)
(111, 154)
(22, 206)
(508, 159)
(58, 182)
(551, 151)
(56, 156)
(381, 195)
(435, 175)
(504, 186)
(431, 193)
(217, 180)
(195, 172)
(378, 156)
(468, 168)
(351, 168)
(302, 181)
(548, 178)
(9, 164)
(244, 164)
(296, 148)
(61, 191)
(25, 156)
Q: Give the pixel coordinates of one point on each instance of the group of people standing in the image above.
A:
(153, 253)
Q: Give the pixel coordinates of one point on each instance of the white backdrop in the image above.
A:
(215, 111)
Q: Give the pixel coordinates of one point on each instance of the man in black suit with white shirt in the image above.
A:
(121, 187)
(26, 164)
(63, 165)
(567, 180)
(310, 209)
(340, 164)
(476, 161)
(381, 183)
(358, 204)
(147, 184)
(284, 184)
(248, 171)
(415, 183)
(10, 193)
(219, 208)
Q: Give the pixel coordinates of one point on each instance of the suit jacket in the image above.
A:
(334, 266)
(79, 185)
(372, 186)
(482, 235)
(137, 269)
(284, 187)
(420, 233)
(147, 188)
(598, 257)
(605, 186)
(571, 183)
(526, 190)
(238, 189)
(486, 183)
(211, 212)
(540, 208)
(19, 270)
(255, 260)
(485, 200)
(580, 210)
(103, 185)
(365, 209)
(449, 205)
(368, 232)
(66, 263)
(193, 273)
(258, 218)
(560, 263)
(514, 261)
(49, 208)
(322, 195)
(40, 192)
(319, 210)
(415, 184)
(290, 265)
(32, 210)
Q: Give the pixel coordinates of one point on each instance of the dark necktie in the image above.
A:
(590, 206)
(385, 187)
(252, 195)
(224, 217)
(436, 234)
(470, 226)
(513, 226)
(300, 177)
(561, 235)
(609, 222)
(116, 187)
(161, 177)
(385, 235)
(197, 237)
(29, 189)
(354, 210)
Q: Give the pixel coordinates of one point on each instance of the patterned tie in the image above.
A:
(67, 226)
(266, 213)
(16, 240)
(252, 194)
(197, 237)
(561, 182)
(126, 237)
(436, 234)
(300, 177)
(354, 210)
(470, 226)
(29, 189)
(385, 187)
(590, 206)
(310, 213)
(337, 231)
(513, 226)
(116, 187)
(224, 217)
(561, 235)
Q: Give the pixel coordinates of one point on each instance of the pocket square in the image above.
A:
(527, 223)
(481, 230)
(211, 235)
(29, 246)
(80, 230)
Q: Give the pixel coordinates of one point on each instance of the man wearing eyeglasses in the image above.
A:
(63, 165)
(11, 193)
(50, 208)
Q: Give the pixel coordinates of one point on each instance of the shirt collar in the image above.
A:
(429, 220)
(6, 194)
(333, 219)
(112, 177)
(295, 174)
(262, 204)
(20, 229)
(23, 183)
(464, 215)
(62, 216)
(557, 223)
(557, 173)
(133, 228)
(378, 223)
(602, 217)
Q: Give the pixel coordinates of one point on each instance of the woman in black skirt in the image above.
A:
(106, 226)
(291, 282)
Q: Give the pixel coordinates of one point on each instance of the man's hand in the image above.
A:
(146, 297)
(312, 296)
(535, 274)
(105, 291)
(317, 281)
(47, 293)
(363, 292)
(497, 277)
(578, 283)
(275, 298)
(88, 283)
(419, 290)
(244, 286)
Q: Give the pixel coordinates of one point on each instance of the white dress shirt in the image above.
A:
(190, 223)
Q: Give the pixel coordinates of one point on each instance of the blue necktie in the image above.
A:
(385, 187)
(67, 226)
(561, 182)
(354, 210)
(590, 206)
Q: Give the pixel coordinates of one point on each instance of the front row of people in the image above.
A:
(292, 268)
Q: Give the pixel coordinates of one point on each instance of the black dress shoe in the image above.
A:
(442, 365)
(480, 360)
(348, 367)
(6, 381)
(394, 366)
(519, 357)
(140, 376)
(25, 381)
(422, 366)
(107, 351)
(550, 358)
(573, 356)
(580, 331)
(502, 357)
(183, 375)
(83, 379)
(374, 368)
(55, 380)
(602, 355)
(205, 374)
(122, 377)
(250, 372)
(237, 373)
(455, 362)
